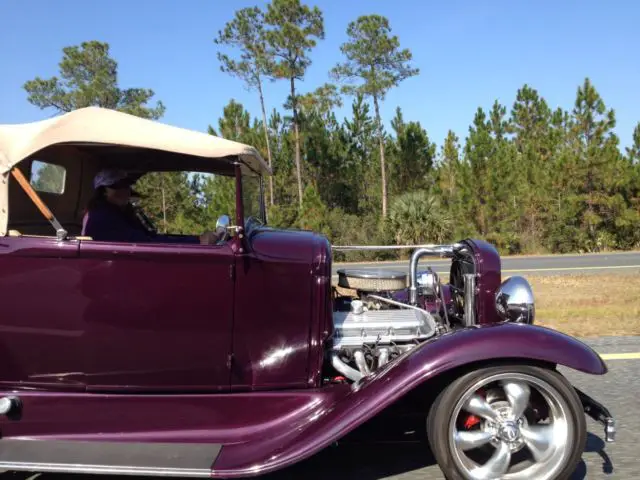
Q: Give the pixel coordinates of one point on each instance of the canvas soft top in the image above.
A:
(88, 139)
(101, 126)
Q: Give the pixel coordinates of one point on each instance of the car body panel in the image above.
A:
(42, 326)
(159, 316)
(489, 269)
(378, 391)
(224, 418)
(281, 303)
(265, 431)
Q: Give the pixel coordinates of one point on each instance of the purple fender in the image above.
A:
(333, 419)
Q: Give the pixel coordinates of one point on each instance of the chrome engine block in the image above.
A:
(380, 327)
(388, 313)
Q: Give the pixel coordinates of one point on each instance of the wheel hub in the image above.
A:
(507, 428)
(509, 431)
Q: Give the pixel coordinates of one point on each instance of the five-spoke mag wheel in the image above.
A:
(511, 422)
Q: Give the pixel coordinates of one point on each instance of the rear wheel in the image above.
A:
(512, 422)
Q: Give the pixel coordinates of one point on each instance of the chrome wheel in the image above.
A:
(503, 443)
(512, 422)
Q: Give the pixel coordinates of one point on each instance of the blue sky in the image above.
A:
(469, 52)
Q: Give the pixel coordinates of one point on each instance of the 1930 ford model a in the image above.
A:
(241, 358)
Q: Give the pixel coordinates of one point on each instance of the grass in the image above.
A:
(586, 305)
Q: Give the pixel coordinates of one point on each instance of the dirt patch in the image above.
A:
(585, 305)
(588, 305)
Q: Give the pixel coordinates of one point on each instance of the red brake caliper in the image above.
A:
(471, 420)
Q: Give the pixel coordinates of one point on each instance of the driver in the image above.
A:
(111, 217)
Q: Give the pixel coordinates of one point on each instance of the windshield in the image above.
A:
(252, 198)
(189, 202)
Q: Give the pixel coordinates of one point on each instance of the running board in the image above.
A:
(114, 458)
(599, 413)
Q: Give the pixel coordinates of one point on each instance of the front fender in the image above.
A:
(344, 408)
(494, 342)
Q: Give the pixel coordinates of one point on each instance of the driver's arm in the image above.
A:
(207, 238)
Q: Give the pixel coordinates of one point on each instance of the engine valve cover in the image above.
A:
(379, 326)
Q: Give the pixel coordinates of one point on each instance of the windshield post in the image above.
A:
(239, 200)
(263, 206)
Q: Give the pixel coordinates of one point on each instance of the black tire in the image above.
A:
(441, 411)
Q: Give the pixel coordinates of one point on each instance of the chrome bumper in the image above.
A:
(599, 413)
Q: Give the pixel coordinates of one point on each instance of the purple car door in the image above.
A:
(41, 325)
(159, 316)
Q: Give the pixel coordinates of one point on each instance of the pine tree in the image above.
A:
(89, 77)
(246, 33)
(359, 133)
(412, 156)
(374, 57)
(449, 170)
(295, 29)
(598, 161)
(479, 148)
(633, 152)
(314, 213)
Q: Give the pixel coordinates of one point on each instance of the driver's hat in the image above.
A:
(110, 178)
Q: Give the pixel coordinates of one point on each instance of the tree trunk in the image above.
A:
(266, 137)
(164, 206)
(297, 135)
(383, 175)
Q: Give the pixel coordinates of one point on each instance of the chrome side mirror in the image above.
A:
(223, 222)
(515, 302)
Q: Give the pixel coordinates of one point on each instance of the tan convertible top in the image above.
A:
(94, 125)
(88, 139)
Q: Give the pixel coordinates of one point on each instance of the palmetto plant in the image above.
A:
(417, 217)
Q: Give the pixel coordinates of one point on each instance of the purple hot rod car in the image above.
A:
(244, 357)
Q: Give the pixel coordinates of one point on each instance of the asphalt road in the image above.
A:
(371, 459)
(619, 263)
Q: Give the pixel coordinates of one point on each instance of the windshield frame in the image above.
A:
(259, 213)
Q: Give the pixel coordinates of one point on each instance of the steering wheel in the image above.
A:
(250, 223)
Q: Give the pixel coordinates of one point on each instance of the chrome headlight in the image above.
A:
(514, 300)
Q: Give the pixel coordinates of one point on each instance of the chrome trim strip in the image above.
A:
(98, 457)
(469, 299)
(104, 469)
(435, 250)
